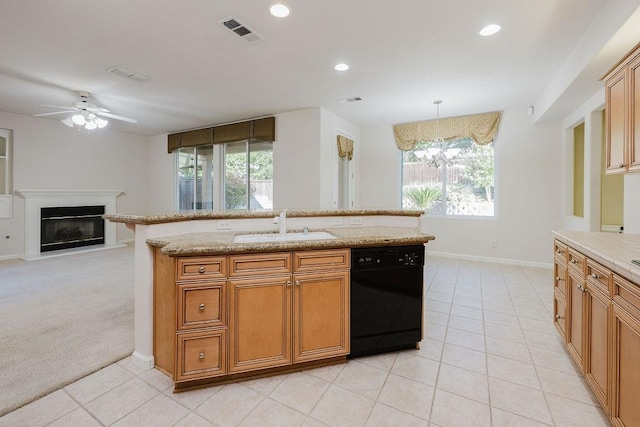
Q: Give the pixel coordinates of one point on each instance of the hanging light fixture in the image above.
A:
(85, 119)
(439, 154)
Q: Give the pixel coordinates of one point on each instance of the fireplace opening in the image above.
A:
(71, 227)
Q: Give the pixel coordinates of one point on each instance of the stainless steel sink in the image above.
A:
(287, 237)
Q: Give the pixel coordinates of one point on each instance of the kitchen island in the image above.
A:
(176, 236)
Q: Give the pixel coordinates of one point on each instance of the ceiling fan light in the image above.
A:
(78, 119)
(90, 126)
(67, 121)
(100, 122)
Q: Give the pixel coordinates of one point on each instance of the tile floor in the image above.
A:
(490, 357)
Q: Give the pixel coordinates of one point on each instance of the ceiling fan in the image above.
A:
(85, 114)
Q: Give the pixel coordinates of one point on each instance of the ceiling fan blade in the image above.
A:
(50, 114)
(97, 110)
(113, 116)
(59, 106)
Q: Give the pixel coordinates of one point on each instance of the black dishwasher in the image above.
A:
(386, 298)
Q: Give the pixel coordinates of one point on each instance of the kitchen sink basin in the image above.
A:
(288, 237)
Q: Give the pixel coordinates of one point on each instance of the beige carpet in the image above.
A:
(62, 319)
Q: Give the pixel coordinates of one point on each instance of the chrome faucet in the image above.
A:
(282, 222)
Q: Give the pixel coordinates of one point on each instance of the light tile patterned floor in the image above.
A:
(490, 357)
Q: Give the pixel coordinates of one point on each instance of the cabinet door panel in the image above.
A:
(616, 119)
(202, 355)
(260, 323)
(598, 312)
(633, 155)
(321, 315)
(626, 375)
(575, 304)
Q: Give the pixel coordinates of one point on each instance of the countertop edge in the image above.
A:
(208, 215)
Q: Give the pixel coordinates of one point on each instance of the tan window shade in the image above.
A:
(260, 129)
(173, 142)
(195, 138)
(481, 128)
(232, 133)
(265, 129)
(345, 147)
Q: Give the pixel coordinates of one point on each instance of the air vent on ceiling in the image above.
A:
(131, 75)
(345, 100)
(241, 30)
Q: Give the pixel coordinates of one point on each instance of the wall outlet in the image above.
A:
(224, 225)
(336, 221)
(356, 220)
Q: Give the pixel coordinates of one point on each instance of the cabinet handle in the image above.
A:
(202, 355)
(201, 306)
(595, 276)
(578, 286)
(288, 282)
(201, 269)
(621, 165)
(573, 261)
(558, 251)
(297, 282)
(559, 279)
(558, 317)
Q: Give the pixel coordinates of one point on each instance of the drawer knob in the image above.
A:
(202, 355)
(297, 282)
(201, 269)
(621, 165)
(559, 279)
(201, 307)
(595, 276)
(558, 317)
(578, 286)
(573, 261)
(288, 282)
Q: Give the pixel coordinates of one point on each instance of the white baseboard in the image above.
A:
(491, 259)
(142, 361)
(127, 241)
(6, 257)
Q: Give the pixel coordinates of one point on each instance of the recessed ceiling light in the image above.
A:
(341, 67)
(279, 10)
(490, 30)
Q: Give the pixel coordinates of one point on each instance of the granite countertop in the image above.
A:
(613, 250)
(204, 214)
(222, 243)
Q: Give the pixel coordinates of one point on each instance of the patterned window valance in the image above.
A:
(345, 147)
(481, 128)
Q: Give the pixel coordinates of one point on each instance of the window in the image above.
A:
(234, 176)
(453, 177)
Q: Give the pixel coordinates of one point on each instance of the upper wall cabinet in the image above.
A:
(622, 96)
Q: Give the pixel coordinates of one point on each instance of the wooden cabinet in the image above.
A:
(602, 333)
(227, 317)
(265, 330)
(625, 383)
(622, 115)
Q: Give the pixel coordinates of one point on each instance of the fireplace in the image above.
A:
(73, 217)
(71, 227)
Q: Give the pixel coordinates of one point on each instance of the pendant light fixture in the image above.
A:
(439, 154)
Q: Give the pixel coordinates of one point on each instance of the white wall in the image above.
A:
(161, 185)
(632, 203)
(49, 155)
(527, 192)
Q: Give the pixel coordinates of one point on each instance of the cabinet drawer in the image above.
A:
(560, 278)
(626, 294)
(321, 260)
(201, 354)
(560, 252)
(576, 260)
(202, 305)
(201, 268)
(559, 313)
(599, 277)
(260, 264)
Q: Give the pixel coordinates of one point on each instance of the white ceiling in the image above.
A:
(403, 54)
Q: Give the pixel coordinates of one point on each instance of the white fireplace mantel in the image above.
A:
(37, 199)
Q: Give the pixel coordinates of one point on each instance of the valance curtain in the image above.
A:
(481, 128)
(254, 130)
(345, 147)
